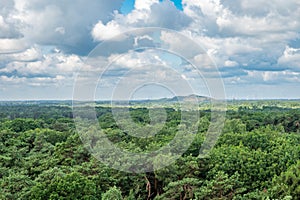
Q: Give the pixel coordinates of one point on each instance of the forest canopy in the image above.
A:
(256, 156)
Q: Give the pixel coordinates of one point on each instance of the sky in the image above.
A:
(255, 46)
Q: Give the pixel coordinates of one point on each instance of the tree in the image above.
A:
(221, 186)
(112, 194)
(55, 183)
(15, 186)
(288, 183)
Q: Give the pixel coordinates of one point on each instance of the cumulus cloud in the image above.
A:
(247, 37)
(150, 13)
(277, 78)
(29, 55)
(43, 42)
(243, 38)
(32, 64)
(102, 32)
(66, 24)
(144, 4)
(251, 42)
(290, 58)
(12, 45)
(243, 34)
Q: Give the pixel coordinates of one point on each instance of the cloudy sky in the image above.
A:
(255, 45)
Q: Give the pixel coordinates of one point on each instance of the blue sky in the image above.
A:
(255, 45)
(128, 5)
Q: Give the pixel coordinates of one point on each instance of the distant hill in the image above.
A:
(189, 98)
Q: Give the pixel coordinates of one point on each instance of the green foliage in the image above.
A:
(287, 183)
(55, 184)
(112, 194)
(21, 125)
(15, 186)
(234, 126)
(221, 187)
(256, 157)
(181, 189)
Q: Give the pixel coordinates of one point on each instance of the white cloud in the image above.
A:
(230, 63)
(274, 77)
(11, 80)
(14, 81)
(175, 42)
(290, 58)
(144, 4)
(204, 61)
(12, 45)
(32, 63)
(102, 32)
(135, 60)
(250, 41)
(28, 55)
(60, 22)
(148, 13)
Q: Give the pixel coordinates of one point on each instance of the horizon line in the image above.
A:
(153, 99)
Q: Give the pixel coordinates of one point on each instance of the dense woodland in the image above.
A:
(256, 157)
